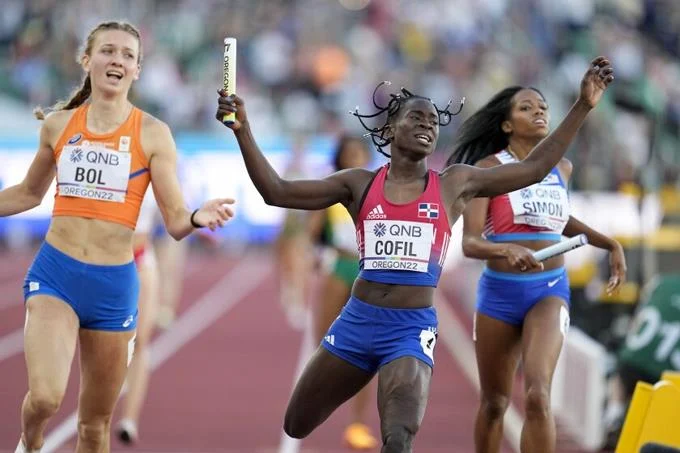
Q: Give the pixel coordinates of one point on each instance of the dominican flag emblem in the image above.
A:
(428, 211)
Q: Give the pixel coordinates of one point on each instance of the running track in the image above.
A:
(223, 373)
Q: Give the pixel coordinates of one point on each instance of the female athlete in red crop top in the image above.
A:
(522, 306)
(390, 327)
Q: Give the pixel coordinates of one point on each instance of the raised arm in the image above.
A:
(510, 177)
(29, 193)
(178, 220)
(276, 191)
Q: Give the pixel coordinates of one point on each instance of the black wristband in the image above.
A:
(193, 222)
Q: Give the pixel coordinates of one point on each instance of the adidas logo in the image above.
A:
(330, 339)
(376, 213)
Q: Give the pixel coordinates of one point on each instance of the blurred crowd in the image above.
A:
(303, 64)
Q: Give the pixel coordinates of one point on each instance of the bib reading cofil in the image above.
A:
(93, 172)
(403, 243)
(397, 244)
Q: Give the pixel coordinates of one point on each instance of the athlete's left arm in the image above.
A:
(160, 148)
(489, 182)
(617, 259)
(574, 227)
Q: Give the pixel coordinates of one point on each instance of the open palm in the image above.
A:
(596, 80)
(214, 213)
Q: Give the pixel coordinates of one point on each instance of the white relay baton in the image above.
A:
(561, 247)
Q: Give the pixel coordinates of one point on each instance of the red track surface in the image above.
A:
(226, 389)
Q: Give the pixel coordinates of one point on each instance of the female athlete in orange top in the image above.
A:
(83, 284)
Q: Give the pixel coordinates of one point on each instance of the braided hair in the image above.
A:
(377, 134)
(481, 135)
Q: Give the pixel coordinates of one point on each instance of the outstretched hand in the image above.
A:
(595, 81)
(230, 104)
(214, 214)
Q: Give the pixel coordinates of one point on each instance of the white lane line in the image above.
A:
(307, 347)
(223, 296)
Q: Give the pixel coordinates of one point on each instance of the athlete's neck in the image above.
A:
(105, 115)
(405, 170)
(521, 148)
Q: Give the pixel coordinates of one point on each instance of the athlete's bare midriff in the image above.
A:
(393, 296)
(91, 241)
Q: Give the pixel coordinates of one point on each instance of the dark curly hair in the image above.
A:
(377, 134)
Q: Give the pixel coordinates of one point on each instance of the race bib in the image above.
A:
(543, 205)
(93, 172)
(397, 245)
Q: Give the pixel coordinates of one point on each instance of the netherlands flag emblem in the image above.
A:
(428, 210)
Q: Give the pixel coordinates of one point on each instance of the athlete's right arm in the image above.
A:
(276, 191)
(29, 193)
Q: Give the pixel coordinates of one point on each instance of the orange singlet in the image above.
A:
(101, 176)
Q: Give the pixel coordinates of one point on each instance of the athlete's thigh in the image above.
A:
(104, 359)
(498, 348)
(50, 334)
(545, 326)
(326, 382)
(403, 389)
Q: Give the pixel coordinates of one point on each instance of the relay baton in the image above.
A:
(229, 74)
(561, 247)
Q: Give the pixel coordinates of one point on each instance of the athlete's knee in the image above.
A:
(45, 403)
(494, 405)
(296, 426)
(398, 438)
(93, 432)
(537, 401)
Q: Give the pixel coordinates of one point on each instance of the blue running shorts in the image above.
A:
(103, 297)
(509, 297)
(368, 336)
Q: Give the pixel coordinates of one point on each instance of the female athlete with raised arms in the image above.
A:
(403, 213)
